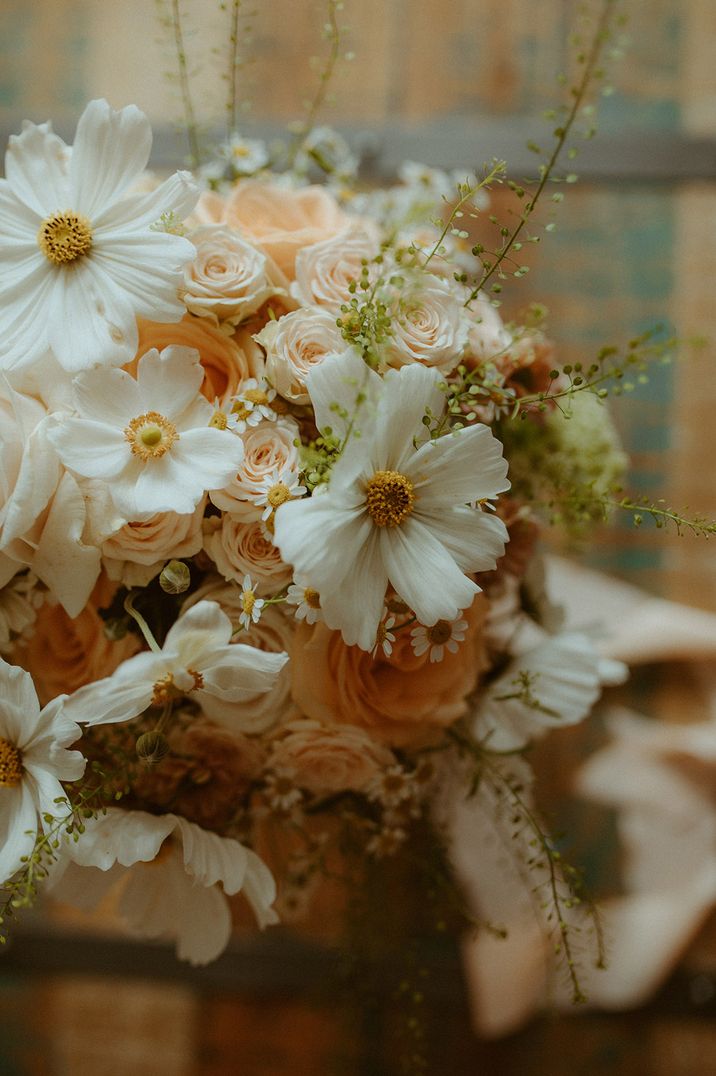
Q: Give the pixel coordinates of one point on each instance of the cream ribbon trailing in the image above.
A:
(661, 778)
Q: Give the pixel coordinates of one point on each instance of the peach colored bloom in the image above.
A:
(225, 363)
(325, 759)
(269, 449)
(136, 552)
(294, 345)
(402, 699)
(279, 220)
(227, 279)
(65, 653)
(240, 549)
(324, 271)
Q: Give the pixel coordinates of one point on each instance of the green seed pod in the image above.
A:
(152, 747)
(175, 577)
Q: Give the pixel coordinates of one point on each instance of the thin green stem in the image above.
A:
(189, 115)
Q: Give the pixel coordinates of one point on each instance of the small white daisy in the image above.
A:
(276, 489)
(246, 156)
(251, 405)
(439, 637)
(308, 602)
(385, 638)
(251, 605)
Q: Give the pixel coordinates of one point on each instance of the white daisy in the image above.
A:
(149, 439)
(251, 406)
(245, 156)
(80, 261)
(385, 638)
(251, 606)
(33, 761)
(276, 489)
(393, 513)
(171, 873)
(439, 637)
(307, 600)
(197, 660)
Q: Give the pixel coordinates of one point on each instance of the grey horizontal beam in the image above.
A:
(455, 142)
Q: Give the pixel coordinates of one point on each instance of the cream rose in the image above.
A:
(227, 280)
(402, 700)
(487, 335)
(240, 549)
(324, 271)
(138, 551)
(279, 220)
(430, 326)
(269, 448)
(328, 759)
(294, 345)
(226, 365)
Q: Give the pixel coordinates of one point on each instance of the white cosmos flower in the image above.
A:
(171, 873)
(393, 513)
(33, 761)
(149, 439)
(80, 259)
(197, 659)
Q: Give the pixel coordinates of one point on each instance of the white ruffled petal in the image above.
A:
(169, 382)
(89, 320)
(111, 149)
(178, 195)
(90, 448)
(336, 386)
(458, 468)
(36, 167)
(407, 393)
(18, 828)
(475, 539)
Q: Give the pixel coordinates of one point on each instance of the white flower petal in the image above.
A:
(18, 704)
(475, 539)
(63, 562)
(178, 195)
(240, 672)
(18, 828)
(461, 467)
(90, 448)
(146, 267)
(124, 837)
(36, 169)
(89, 321)
(108, 396)
(111, 148)
(169, 382)
(335, 385)
(19, 225)
(424, 574)
(406, 395)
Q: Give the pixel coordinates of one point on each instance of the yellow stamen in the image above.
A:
(312, 598)
(248, 600)
(11, 767)
(440, 633)
(65, 237)
(164, 691)
(389, 498)
(255, 396)
(218, 420)
(151, 435)
(278, 495)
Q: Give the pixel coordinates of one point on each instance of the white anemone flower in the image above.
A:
(174, 879)
(198, 660)
(33, 761)
(149, 439)
(552, 685)
(80, 258)
(393, 513)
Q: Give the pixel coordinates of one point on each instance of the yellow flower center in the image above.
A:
(11, 768)
(248, 600)
(151, 435)
(312, 598)
(440, 633)
(65, 237)
(240, 410)
(218, 420)
(241, 151)
(389, 498)
(278, 494)
(165, 690)
(255, 396)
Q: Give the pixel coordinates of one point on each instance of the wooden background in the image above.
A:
(456, 81)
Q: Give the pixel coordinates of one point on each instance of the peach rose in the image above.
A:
(328, 759)
(240, 549)
(402, 700)
(430, 326)
(294, 345)
(268, 448)
(65, 653)
(225, 363)
(227, 280)
(279, 220)
(136, 552)
(325, 270)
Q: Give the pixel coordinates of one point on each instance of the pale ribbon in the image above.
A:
(647, 931)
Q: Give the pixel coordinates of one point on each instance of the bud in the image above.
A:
(175, 577)
(116, 628)
(152, 747)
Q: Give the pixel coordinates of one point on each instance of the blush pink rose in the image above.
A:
(325, 759)
(279, 220)
(269, 448)
(240, 549)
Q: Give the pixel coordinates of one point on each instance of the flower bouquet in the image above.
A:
(274, 472)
